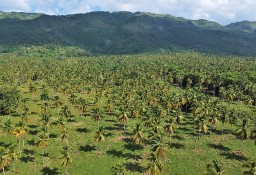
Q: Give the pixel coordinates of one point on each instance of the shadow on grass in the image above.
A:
(108, 120)
(3, 144)
(28, 152)
(71, 120)
(27, 159)
(221, 132)
(177, 145)
(234, 156)
(185, 129)
(134, 167)
(109, 134)
(33, 132)
(32, 126)
(54, 136)
(82, 130)
(31, 142)
(219, 147)
(111, 128)
(178, 137)
(120, 154)
(87, 148)
(133, 147)
(49, 171)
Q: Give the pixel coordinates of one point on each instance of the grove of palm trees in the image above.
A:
(152, 114)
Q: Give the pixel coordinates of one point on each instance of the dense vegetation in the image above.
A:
(125, 32)
(176, 113)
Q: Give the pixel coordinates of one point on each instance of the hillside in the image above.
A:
(125, 32)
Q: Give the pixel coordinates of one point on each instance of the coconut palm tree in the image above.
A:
(44, 96)
(19, 132)
(155, 167)
(42, 143)
(96, 116)
(82, 105)
(170, 128)
(251, 165)
(4, 160)
(244, 132)
(138, 136)
(159, 147)
(72, 99)
(45, 120)
(65, 112)
(66, 157)
(8, 128)
(201, 125)
(179, 117)
(64, 135)
(215, 168)
(12, 155)
(119, 169)
(123, 118)
(100, 135)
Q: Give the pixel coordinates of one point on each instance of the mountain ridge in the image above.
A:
(127, 32)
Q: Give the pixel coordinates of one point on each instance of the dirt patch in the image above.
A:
(117, 139)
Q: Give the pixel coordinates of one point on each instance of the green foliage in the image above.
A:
(122, 32)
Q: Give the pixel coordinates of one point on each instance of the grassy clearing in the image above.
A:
(186, 155)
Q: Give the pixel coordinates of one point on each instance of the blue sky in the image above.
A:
(222, 11)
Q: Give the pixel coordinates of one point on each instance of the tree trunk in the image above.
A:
(14, 169)
(43, 156)
(66, 170)
(3, 171)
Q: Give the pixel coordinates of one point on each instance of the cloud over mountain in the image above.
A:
(222, 11)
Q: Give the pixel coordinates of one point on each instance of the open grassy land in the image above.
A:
(143, 114)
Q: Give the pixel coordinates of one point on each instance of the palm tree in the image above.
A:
(8, 128)
(83, 105)
(123, 118)
(119, 169)
(57, 101)
(65, 112)
(66, 157)
(100, 135)
(44, 96)
(244, 132)
(159, 147)
(45, 108)
(45, 120)
(20, 132)
(155, 166)
(179, 117)
(61, 122)
(43, 143)
(96, 116)
(138, 136)
(251, 165)
(215, 168)
(201, 125)
(4, 161)
(64, 135)
(72, 99)
(170, 127)
(12, 155)
(32, 89)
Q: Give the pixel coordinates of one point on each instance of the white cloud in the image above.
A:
(223, 11)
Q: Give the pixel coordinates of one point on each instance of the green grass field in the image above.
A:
(186, 155)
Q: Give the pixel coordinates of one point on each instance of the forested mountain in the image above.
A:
(126, 32)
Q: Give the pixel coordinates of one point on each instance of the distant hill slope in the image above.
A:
(125, 32)
(19, 15)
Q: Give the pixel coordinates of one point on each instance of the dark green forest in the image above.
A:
(126, 32)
